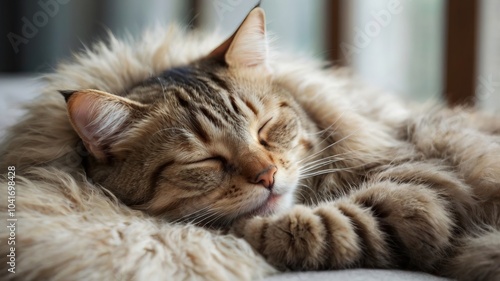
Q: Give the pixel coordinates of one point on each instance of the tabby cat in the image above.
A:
(311, 177)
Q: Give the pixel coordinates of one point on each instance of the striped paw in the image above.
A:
(294, 240)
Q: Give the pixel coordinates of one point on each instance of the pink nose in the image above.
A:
(266, 177)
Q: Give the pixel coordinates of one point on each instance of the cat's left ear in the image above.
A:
(248, 46)
(100, 119)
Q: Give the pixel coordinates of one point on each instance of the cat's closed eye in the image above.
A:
(218, 159)
(264, 125)
(209, 161)
(261, 136)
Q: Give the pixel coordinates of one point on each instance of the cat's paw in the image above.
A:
(293, 240)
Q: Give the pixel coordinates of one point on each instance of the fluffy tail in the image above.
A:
(478, 258)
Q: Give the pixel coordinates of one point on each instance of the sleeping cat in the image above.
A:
(312, 176)
(220, 142)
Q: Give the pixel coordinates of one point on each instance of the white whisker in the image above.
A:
(313, 192)
(190, 214)
(327, 147)
(322, 172)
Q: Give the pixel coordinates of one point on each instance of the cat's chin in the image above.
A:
(275, 203)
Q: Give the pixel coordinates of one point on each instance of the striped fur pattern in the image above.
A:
(308, 166)
(202, 140)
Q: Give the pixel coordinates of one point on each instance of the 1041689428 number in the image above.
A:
(11, 191)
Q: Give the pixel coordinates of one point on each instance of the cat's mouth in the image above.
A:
(268, 207)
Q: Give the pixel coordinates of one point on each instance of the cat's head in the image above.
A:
(210, 141)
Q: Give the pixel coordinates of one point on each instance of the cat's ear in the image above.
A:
(248, 46)
(99, 118)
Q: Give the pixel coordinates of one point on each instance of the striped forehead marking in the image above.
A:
(199, 94)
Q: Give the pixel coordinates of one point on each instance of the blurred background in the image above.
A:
(421, 50)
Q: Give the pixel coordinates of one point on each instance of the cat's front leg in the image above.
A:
(325, 237)
(385, 225)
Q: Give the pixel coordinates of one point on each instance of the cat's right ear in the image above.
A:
(248, 46)
(99, 118)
